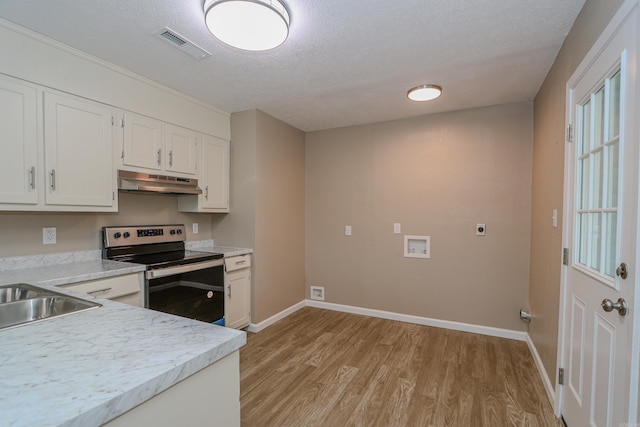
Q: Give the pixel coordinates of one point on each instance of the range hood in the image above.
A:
(151, 183)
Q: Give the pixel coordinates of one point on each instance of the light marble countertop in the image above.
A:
(72, 272)
(87, 368)
(208, 246)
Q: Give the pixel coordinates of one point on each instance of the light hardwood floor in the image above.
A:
(325, 368)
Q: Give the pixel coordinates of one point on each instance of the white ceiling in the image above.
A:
(345, 62)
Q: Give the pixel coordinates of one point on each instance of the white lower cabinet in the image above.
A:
(126, 289)
(210, 397)
(237, 283)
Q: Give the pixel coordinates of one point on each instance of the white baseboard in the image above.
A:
(446, 324)
(257, 327)
(548, 386)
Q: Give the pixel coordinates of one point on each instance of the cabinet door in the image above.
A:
(18, 136)
(215, 173)
(142, 145)
(181, 150)
(78, 160)
(237, 309)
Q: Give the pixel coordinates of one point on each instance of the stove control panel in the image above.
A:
(140, 235)
(150, 232)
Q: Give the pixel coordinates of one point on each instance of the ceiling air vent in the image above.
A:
(182, 43)
(173, 38)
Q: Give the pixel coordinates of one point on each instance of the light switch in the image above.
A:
(554, 217)
(195, 228)
(396, 228)
(347, 230)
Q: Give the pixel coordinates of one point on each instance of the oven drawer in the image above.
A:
(237, 262)
(114, 288)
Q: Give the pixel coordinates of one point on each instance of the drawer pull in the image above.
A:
(241, 262)
(99, 291)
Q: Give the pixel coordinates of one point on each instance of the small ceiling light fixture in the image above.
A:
(248, 24)
(424, 93)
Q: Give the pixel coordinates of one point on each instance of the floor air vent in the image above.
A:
(182, 43)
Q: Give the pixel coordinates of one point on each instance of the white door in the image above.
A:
(601, 234)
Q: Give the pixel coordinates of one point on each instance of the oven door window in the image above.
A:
(197, 295)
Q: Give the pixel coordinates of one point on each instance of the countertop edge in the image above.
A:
(130, 399)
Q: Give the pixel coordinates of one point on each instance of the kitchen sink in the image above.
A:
(21, 304)
(18, 292)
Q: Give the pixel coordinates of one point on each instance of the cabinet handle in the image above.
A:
(53, 179)
(32, 177)
(241, 261)
(171, 158)
(99, 291)
(159, 156)
(229, 291)
(206, 193)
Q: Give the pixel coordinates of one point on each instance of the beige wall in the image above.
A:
(21, 232)
(238, 228)
(437, 175)
(548, 178)
(267, 209)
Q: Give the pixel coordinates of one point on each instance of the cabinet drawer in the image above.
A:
(237, 262)
(110, 288)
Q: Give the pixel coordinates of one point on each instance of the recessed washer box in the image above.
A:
(417, 246)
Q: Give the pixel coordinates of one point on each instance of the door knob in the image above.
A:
(621, 306)
(621, 271)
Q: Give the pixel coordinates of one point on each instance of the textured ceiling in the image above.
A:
(345, 62)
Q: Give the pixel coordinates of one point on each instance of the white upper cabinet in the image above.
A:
(78, 137)
(181, 150)
(19, 142)
(213, 178)
(142, 141)
(151, 145)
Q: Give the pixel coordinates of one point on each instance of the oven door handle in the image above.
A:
(170, 271)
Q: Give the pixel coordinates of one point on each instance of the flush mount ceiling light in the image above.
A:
(424, 93)
(248, 24)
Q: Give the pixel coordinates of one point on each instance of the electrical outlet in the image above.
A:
(195, 228)
(317, 293)
(347, 230)
(48, 235)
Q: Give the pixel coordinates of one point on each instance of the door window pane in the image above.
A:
(585, 137)
(583, 229)
(614, 106)
(594, 241)
(610, 246)
(596, 180)
(613, 154)
(583, 173)
(598, 119)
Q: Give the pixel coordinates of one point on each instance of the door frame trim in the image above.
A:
(627, 8)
